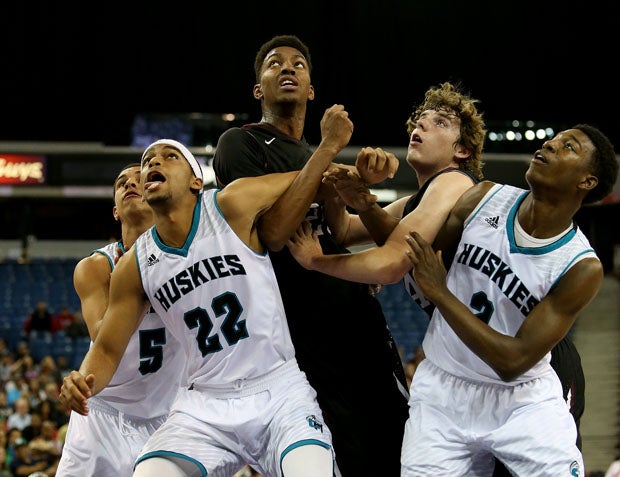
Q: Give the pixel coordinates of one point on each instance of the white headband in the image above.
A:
(189, 157)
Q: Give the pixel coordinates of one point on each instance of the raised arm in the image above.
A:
(371, 223)
(126, 307)
(279, 223)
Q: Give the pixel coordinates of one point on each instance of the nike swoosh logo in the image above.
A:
(270, 141)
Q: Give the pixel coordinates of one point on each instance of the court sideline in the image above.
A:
(597, 337)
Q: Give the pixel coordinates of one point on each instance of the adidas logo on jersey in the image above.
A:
(152, 260)
(492, 221)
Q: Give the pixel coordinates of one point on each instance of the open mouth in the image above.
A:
(153, 178)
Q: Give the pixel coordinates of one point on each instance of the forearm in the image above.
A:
(337, 218)
(369, 266)
(102, 364)
(379, 223)
(501, 352)
(284, 216)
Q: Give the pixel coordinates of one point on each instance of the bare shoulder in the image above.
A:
(586, 276)
(95, 267)
(468, 201)
(449, 185)
(477, 192)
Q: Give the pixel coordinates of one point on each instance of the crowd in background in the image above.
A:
(33, 422)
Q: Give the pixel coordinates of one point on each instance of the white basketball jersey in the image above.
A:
(499, 281)
(219, 298)
(149, 375)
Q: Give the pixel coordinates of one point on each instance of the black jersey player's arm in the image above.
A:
(126, 308)
(279, 223)
(244, 201)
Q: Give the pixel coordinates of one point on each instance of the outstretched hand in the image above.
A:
(375, 165)
(351, 189)
(428, 271)
(75, 391)
(304, 245)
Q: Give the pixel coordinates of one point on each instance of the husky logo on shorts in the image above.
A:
(314, 422)
(574, 469)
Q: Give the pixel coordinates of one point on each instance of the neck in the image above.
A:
(542, 218)
(130, 233)
(290, 121)
(173, 224)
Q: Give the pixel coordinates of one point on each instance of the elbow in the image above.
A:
(510, 369)
(397, 270)
(507, 375)
(271, 238)
(390, 273)
(272, 242)
(274, 246)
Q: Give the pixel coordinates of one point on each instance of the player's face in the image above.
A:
(285, 77)
(563, 160)
(128, 192)
(165, 173)
(434, 140)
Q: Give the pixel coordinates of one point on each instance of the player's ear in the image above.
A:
(461, 152)
(115, 214)
(588, 183)
(196, 184)
(311, 93)
(258, 92)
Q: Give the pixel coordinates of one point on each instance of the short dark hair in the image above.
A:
(280, 40)
(604, 163)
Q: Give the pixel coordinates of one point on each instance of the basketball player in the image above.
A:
(139, 395)
(207, 274)
(445, 149)
(329, 318)
(521, 272)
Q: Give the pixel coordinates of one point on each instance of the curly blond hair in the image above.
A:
(450, 98)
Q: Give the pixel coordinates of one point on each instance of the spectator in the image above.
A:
(12, 435)
(46, 444)
(6, 367)
(57, 411)
(21, 418)
(25, 462)
(62, 363)
(39, 321)
(33, 429)
(63, 319)
(48, 371)
(5, 458)
(77, 328)
(5, 409)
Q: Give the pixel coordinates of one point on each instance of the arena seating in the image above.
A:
(51, 280)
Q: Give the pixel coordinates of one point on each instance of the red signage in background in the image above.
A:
(22, 169)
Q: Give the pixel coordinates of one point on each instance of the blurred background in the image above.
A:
(83, 90)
